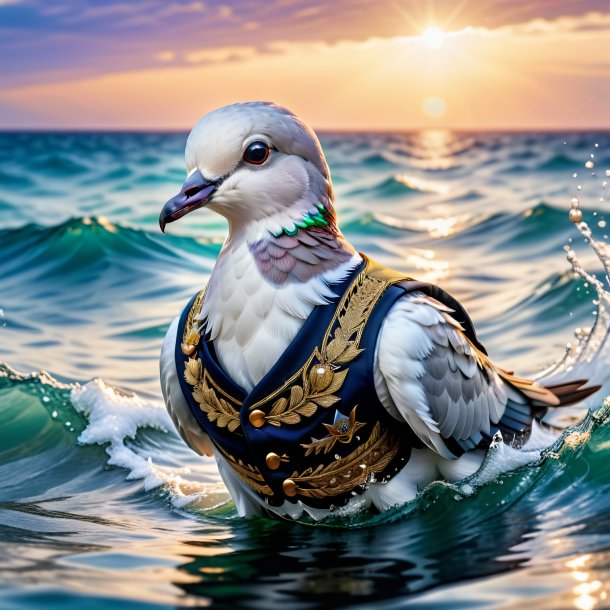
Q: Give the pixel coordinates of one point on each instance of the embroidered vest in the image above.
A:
(313, 429)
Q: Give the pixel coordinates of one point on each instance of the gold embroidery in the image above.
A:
(251, 475)
(191, 335)
(216, 408)
(345, 474)
(319, 379)
(343, 432)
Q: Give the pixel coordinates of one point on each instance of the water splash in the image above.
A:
(99, 413)
(589, 357)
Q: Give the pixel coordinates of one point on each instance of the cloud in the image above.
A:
(221, 54)
(166, 56)
(589, 22)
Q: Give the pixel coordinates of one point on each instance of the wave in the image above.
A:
(58, 165)
(542, 220)
(556, 163)
(386, 189)
(91, 243)
(94, 425)
(43, 417)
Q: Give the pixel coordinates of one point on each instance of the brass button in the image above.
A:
(273, 461)
(257, 418)
(289, 487)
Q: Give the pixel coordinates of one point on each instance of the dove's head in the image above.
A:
(258, 165)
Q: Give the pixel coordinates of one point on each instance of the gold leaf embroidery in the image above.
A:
(191, 335)
(318, 381)
(341, 432)
(251, 475)
(279, 406)
(345, 474)
(217, 409)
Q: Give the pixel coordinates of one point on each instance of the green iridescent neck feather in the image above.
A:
(318, 219)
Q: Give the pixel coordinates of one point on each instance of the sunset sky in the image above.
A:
(346, 64)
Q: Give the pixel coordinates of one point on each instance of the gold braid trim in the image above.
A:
(316, 382)
(250, 475)
(345, 474)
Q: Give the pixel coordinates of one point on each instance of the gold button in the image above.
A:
(273, 460)
(289, 487)
(257, 418)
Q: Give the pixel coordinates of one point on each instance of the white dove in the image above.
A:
(318, 379)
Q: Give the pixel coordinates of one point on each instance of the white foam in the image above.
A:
(114, 416)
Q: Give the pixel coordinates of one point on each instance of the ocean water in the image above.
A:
(102, 504)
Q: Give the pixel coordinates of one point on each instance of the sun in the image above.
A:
(433, 37)
(435, 107)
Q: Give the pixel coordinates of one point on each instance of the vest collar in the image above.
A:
(303, 343)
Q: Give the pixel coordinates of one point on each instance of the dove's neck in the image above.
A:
(262, 289)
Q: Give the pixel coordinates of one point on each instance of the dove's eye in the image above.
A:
(256, 153)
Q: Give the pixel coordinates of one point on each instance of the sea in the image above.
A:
(103, 506)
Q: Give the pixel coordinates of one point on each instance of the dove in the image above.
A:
(319, 380)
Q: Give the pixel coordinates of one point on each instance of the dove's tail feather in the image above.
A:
(545, 396)
(572, 391)
(518, 417)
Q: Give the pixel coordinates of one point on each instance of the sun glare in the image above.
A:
(435, 107)
(433, 37)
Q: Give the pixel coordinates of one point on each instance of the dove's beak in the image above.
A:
(195, 193)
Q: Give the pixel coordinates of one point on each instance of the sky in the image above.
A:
(342, 65)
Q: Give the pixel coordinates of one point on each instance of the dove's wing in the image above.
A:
(429, 374)
(177, 407)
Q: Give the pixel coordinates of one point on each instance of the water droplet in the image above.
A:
(575, 216)
(608, 172)
(601, 224)
(575, 202)
(46, 399)
(596, 145)
(579, 187)
(592, 156)
(54, 414)
(589, 165)
(575, 175)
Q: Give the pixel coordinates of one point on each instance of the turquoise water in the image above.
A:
(100, 501)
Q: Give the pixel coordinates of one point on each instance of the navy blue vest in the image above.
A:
(313, 429)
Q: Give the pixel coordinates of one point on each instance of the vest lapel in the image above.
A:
(302, 345)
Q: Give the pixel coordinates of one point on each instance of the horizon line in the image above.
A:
(325, 131)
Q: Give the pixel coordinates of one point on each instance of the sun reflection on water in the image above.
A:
(588, 593)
